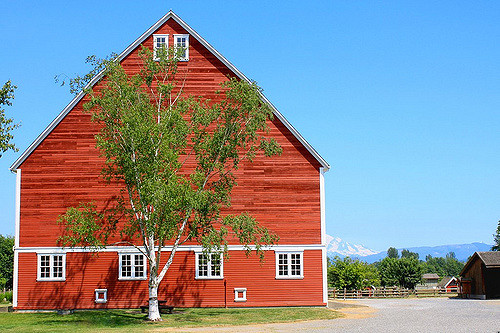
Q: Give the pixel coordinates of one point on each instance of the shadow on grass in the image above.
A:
(133, 320)
(109, 318)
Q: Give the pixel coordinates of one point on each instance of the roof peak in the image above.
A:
(169, 15)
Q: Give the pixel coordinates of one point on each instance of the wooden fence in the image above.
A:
(390, 293)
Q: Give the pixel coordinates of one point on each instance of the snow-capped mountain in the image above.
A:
(338, 247)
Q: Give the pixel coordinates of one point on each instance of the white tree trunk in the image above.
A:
(155, 277)
(154, 311)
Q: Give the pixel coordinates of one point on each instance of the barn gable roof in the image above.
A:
(446, 281)
(430, 276)
(127, 51)
(490, 259)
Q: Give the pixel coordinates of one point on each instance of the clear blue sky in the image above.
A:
(401, 98)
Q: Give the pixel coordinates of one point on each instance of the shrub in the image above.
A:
(7, 295)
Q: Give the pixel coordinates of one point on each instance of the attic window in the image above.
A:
(159, 42)
(181, 45)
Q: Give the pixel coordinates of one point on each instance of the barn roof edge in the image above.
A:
(126, 52)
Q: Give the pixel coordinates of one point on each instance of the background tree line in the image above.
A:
(6, 262)
(394, 270)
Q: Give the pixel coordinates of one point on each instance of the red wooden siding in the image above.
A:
(86, 272)
(281, 192)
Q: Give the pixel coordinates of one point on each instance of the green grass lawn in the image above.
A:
(134, 321)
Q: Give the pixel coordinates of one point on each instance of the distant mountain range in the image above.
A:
(341, 248)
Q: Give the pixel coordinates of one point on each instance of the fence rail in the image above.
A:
(390, 293)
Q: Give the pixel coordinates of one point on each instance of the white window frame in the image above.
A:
(132, 266)
(103, 292)
(209, 276)
(51, 267)
(155, 37)
(186, 58)
(243, 291)
(289, 264)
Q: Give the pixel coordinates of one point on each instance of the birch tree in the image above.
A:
(7, 125)
(176, 157)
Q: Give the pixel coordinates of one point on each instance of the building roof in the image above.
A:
(127, 51)
(430, 276)
(446, 281)
(490, 259)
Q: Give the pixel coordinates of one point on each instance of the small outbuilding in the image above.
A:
(429, 281)
(448, 283)
(480, 277)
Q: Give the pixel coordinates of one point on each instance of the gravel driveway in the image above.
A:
(395, 315)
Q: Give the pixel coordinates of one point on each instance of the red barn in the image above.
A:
(61, 168)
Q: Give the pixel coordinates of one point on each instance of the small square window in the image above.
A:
(240, 294)
(101, 295)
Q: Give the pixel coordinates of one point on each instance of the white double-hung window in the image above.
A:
(51, 267)
(209, 266)
(289, 265)
(159, 42)
(181, 46)
(132, 266)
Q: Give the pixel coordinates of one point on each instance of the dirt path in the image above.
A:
(391, 315)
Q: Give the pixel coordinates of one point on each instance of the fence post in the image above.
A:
(344, 293)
